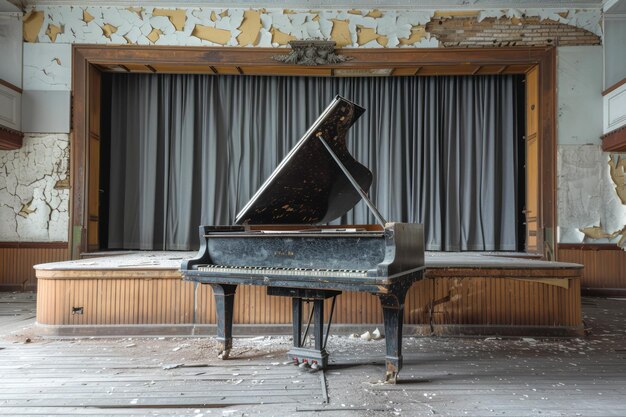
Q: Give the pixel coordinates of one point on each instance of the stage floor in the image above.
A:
(172, 259)
(461, 293)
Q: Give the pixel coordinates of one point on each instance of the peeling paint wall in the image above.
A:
(591, 188)
(481, 31)
(269, 27)
(34, 190)
(32, 209)
(228, 27)
(590, 209)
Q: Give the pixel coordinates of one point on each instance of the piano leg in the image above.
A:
(393, 311)
(224, 300)
(296, 327)
(318, 313)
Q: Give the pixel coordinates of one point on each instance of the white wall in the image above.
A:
(11, 69)
(614, 72)
(579, 95)
(47, 85)
(11, 48)
(47, 71)
(614, 49)
(589, 208)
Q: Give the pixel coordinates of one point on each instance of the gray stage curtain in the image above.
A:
(192, 149)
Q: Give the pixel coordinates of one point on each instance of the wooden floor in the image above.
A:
(441, 376)
(17, 310)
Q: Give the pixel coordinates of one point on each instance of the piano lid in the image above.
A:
(308, 187)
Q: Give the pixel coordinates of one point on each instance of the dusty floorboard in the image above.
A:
(17, 310)
(441, 376)
(52, 377)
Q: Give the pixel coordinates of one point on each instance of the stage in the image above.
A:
(469, 293)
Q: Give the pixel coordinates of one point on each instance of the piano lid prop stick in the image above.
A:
(355, 184)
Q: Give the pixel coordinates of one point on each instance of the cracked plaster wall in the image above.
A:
(269, 27)
(592, 195)
(33, 209)
(47, 67)
(47, 82)
(591, 183)
(34, 190)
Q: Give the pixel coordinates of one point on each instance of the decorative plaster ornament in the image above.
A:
(312, 52)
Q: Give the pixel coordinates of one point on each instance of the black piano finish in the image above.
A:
(294, 264)
(280, 245)
(352, 261)
(308, 187)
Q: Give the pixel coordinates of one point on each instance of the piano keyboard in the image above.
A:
(262, 270)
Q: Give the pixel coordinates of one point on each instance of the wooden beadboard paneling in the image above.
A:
(16, 263)
(118, 300)
(161, 297)
(604, 267)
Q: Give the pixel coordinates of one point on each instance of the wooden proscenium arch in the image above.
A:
(538, 63)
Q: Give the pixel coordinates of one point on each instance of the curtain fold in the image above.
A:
(192, 149)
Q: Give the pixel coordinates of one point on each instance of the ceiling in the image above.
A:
(333, 4)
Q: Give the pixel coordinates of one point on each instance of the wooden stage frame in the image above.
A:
(462, 294)
(537, 63)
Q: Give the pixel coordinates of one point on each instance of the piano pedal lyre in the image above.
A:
(308, 357)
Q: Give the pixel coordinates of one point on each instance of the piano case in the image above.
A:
(281, 241)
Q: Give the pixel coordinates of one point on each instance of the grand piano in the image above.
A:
(282, 241)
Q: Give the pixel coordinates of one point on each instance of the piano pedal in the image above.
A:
(309, 358)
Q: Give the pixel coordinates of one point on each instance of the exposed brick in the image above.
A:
(468, 31)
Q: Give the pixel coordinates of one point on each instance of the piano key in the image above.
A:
(259, 270)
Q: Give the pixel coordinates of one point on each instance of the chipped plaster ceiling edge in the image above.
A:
(330, 4)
